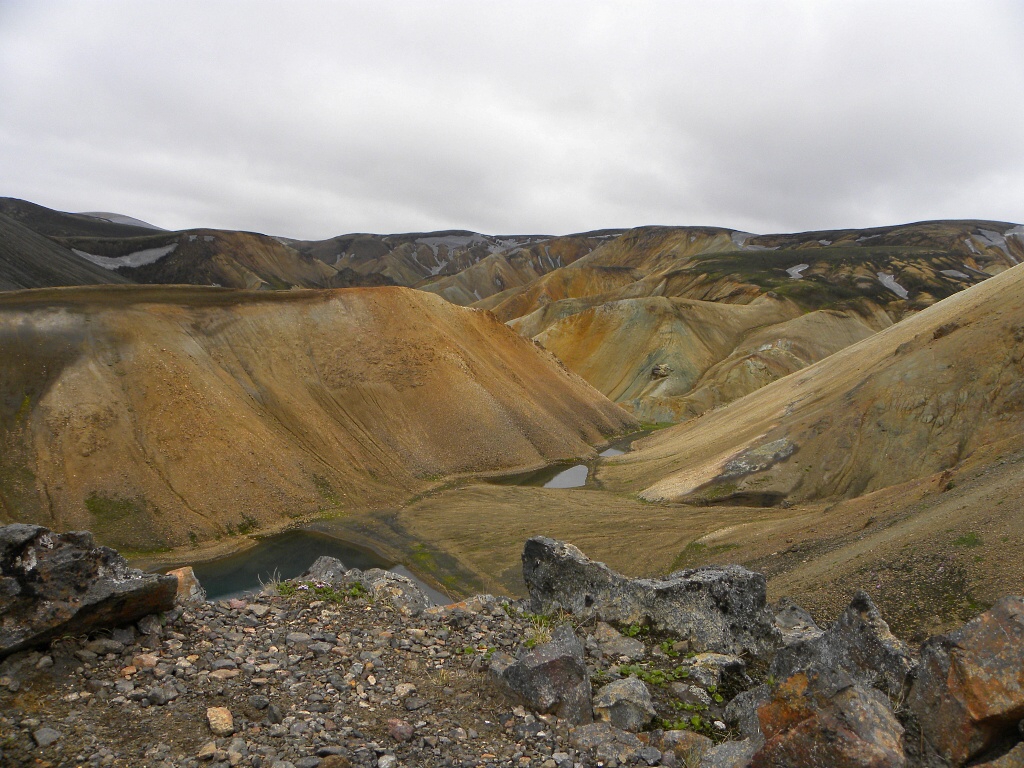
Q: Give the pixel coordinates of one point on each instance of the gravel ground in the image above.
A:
(293, 681)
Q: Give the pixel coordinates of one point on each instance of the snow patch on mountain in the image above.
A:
(137, 259)
(890, 282)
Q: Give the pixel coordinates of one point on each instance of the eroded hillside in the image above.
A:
(155, 416)
(660, 320)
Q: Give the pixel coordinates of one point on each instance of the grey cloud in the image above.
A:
(310, 119)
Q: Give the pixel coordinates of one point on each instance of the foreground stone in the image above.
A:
(859, 643)
(822, 717)
(720, 609)
(551, 678)
(626, 704)
(970, 688)
(220, 720)
(55, 584)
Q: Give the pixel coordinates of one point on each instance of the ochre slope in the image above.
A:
(908, 402)
(153, 416)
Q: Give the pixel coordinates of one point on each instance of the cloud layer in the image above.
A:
(310, 119)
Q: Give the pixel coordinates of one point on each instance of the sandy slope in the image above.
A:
(155, 415)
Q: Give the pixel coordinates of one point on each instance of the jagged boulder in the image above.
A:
(626, 704)
(53, 584)
(822, 717)
(720, 609)
(550, 678)
(969, 693)
(859, 643)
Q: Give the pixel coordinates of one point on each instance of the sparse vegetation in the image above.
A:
(969, 539)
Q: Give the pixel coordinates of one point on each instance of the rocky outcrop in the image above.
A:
(552, 677)
(859, 643)
(823, 717)
(720, 609)
(54, 584)
(399, 591)
(969, 694)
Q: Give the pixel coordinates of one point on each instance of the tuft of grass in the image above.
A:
(969, 539)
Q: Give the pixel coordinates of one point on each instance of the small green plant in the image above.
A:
(969, 539)
(539, 631)
(654, 676)
(667, 648)
(248, 525)
(635, 629)
(315, 590)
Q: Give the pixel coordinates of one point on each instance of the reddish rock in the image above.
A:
(970, 687)
(400, 730)
(822, 718)
(189, 588)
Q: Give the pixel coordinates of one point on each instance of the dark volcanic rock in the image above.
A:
(719, 609)
(969, 691)
(822, 717)
(54, 584)
(551, 678)
(858, 642)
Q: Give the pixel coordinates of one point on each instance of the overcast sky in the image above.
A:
(312, 119)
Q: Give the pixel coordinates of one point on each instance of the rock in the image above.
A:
(189, 589)
(969, 691)
(690, 694)
(858, 642)
(400, 592)
(719, 609)
(44, 737)
(551, 678)
(400, 730)
(55, 584)
(604, 742)
(626, 704)
(327, 570)
(629, 647)
(335, 761)
(822, 717)
(742, 711)
(387, 761)
(220, 721)
(660, 371)
(732, 754)
(688, 747)
(707, 669)
(1012, 759)
(794, 622)
(103, 645)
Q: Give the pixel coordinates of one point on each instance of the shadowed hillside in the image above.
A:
(156, 416)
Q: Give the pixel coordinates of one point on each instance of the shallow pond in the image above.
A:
(561, 476)
(286, 556)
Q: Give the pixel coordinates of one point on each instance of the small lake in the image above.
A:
(286, 556)
(562, 476)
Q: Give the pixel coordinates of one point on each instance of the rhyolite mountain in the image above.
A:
(669, 322)
(159, 415)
